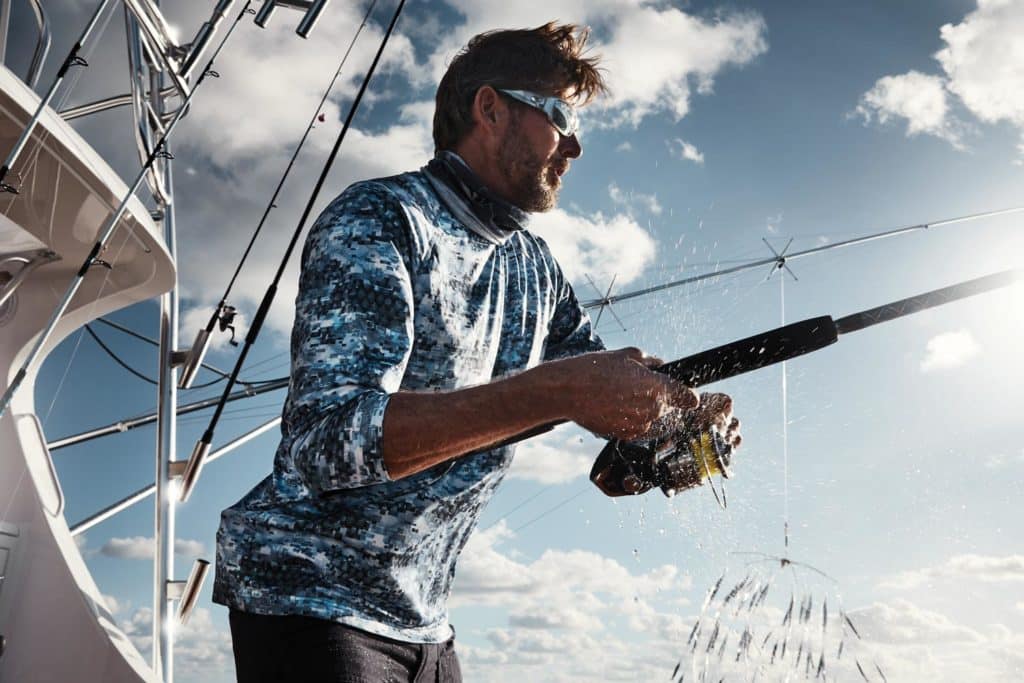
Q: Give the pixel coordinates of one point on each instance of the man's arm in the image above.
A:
(612, 393)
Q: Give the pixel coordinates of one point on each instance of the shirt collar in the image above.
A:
(498, 215)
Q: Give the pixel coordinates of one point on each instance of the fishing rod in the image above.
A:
(630, 468)
(73, 59)
(194, 465)
(159, 151)
(223, 313)
(778, 260)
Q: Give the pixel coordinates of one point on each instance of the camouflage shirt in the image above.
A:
(395, 294)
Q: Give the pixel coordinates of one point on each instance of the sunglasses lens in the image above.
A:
(564, 119)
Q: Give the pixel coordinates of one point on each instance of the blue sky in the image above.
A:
(729, 123)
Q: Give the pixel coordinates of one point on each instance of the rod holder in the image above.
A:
(311, 17)
(263, 16)
(187, 592)
(194, 359)
(192, 469)
(311, 9)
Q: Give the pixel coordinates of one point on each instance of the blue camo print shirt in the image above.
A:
(395, 294)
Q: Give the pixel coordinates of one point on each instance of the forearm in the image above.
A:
(422, 429)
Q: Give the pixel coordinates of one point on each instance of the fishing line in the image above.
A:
(222, 306)
(547, 512)
(159, 151)
(202, 446)
(785, 424)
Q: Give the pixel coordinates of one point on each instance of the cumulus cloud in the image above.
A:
(656, 55)
(916, 98)
(555, 458)
(143, 548)
(982, 66)
(568, 614)
(919, 644)
(681, 149)
(984, 63)
(903, 622)
(972, 568)
(596, 243)
(633, 199)
(949, 350)
(202, 648)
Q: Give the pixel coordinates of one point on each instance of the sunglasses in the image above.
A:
(561, 114)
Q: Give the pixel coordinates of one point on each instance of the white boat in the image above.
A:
(59, 196)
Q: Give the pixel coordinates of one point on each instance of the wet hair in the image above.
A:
(546, 59)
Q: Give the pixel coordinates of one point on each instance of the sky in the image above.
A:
(896, 455)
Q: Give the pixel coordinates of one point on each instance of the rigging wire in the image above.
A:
(780, 260)
(124, 364)
(141, 337)
(116, 358)
(202, 447)
(271, 205)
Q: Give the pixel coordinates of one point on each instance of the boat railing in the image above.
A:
(42, 47)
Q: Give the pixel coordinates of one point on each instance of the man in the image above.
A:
(430, 326)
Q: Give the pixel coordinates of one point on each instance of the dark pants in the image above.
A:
(305, 650)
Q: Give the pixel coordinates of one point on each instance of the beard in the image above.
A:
(532, 180)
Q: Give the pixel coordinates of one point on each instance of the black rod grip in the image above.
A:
(758, 351)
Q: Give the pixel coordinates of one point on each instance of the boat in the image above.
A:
(59, 196)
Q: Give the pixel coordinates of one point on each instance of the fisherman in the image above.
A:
(430, 326)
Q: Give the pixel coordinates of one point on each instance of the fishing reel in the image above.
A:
(683, 461)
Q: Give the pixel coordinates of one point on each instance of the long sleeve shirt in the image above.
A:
(396, 293)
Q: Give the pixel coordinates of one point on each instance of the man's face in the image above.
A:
(533, 157)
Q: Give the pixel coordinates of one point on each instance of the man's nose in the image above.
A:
(570, 147)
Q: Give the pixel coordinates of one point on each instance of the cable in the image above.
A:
(117, 359)
(124, 364)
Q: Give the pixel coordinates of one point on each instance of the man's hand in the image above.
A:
(615, 394)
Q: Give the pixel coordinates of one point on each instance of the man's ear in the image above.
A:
(488, 108)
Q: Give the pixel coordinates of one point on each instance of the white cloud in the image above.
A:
(984, 63)
(983, 67)
(903, 622)
(596, 243)
(949, 350)
(202, 649)
(142, 548)
(113, 604)
(631, 199)
(681, 149)
(655, 54)
(572, 615)
(555, 458)
(968, 568)
(919, 99)
(624, 147)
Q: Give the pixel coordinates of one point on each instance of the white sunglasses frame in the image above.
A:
(547, 105)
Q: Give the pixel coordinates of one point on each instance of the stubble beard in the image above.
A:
(532, 181)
